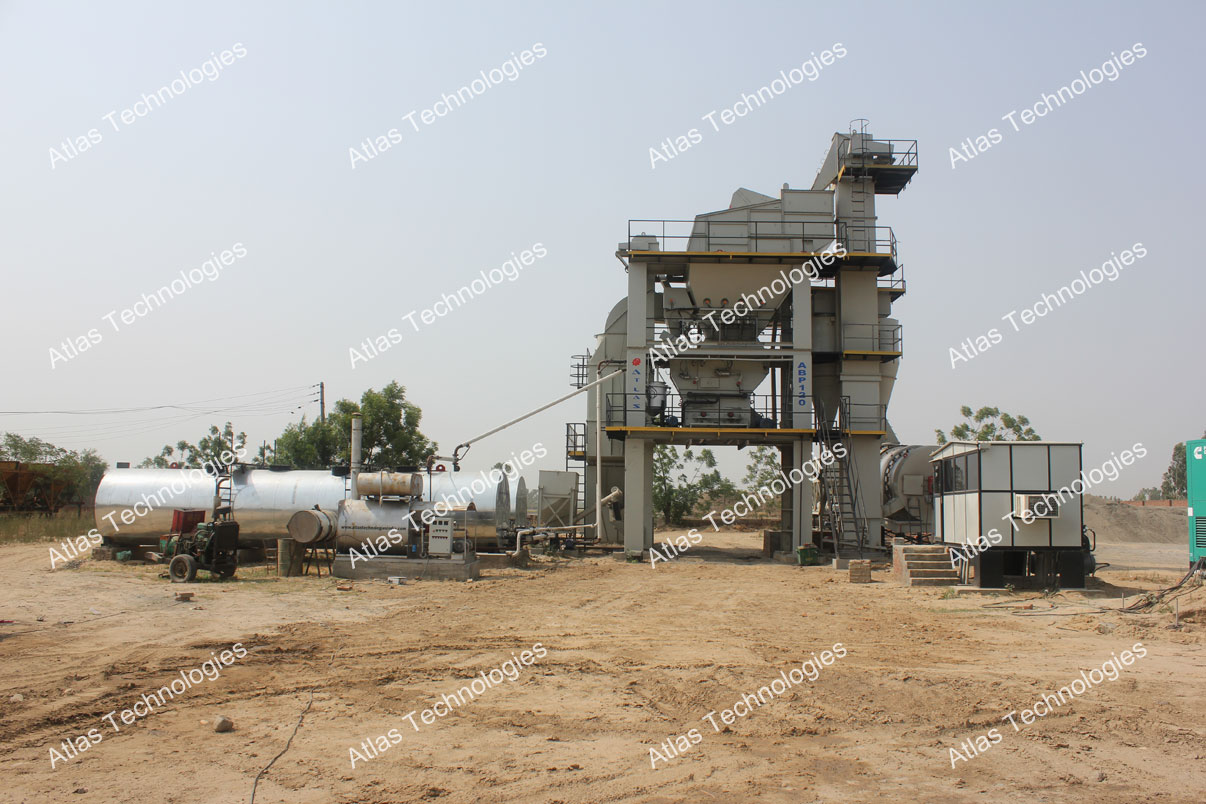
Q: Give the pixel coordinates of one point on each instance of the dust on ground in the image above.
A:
(636, 655)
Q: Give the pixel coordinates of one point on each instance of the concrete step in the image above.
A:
(933, 573)
(923, 548)
(933, 581)
(928, 563)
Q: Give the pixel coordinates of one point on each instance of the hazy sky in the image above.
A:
(560, 157)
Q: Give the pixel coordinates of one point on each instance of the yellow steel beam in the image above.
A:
(709, 430)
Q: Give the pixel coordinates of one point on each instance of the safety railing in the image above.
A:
(761, 413)
(864, 151)
(700, 334)
(857, 417)
(894, 281)
(764, 236)
(861, 416)
(703, 410)
(575, 440)
(871, 338)
(857, 238)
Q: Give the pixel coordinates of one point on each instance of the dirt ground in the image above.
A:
(636, 655)
(1118, 522)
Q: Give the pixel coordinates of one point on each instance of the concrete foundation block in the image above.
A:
(520, 560)
(860, 571)
(434, 569)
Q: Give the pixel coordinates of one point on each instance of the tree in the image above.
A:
(680, 482)
(391, 438)
(989, 424)
(722, 493)
(308, 446)
(76, 473)
(1174, 485)
(215, 449)
(763, 469)
(391, 428)
(1147, 494)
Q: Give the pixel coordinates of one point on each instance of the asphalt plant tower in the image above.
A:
(772, 321)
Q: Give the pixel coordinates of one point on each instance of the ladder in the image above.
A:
(224, 489)
(575, 450)
(843, 510)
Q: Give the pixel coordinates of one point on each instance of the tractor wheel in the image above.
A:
(182, 569)
(226, 570)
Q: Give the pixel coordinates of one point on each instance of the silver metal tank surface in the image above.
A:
(459, 488)
(366, 520)
(263, 500)
(314, 526)
(401, 484)
(161, 490)
(521, 504)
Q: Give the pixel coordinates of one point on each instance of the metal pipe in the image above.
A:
(457, 452)
(614, 495)
(519, 534)
(357, 437)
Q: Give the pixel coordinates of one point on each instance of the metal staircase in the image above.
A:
(842, 510)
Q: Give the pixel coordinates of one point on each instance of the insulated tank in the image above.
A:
(263, 500)
(520, 509)
(492, 501)
(360, 521)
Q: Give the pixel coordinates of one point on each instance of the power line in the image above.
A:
(124, 423)
(180, 406)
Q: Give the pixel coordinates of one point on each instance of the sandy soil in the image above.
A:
(636, 655)
(1118, 522)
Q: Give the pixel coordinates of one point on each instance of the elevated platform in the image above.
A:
(889, 179)
(712, 436)
(884, 263)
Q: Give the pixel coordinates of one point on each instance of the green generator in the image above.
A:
(1195, 483)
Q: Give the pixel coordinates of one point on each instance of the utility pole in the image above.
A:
(322, 402)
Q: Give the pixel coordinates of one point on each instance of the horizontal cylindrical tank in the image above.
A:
(264, 500)
(133, 491)
(396, 484)
(362, 521)
(312, 527)
(462, 488)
